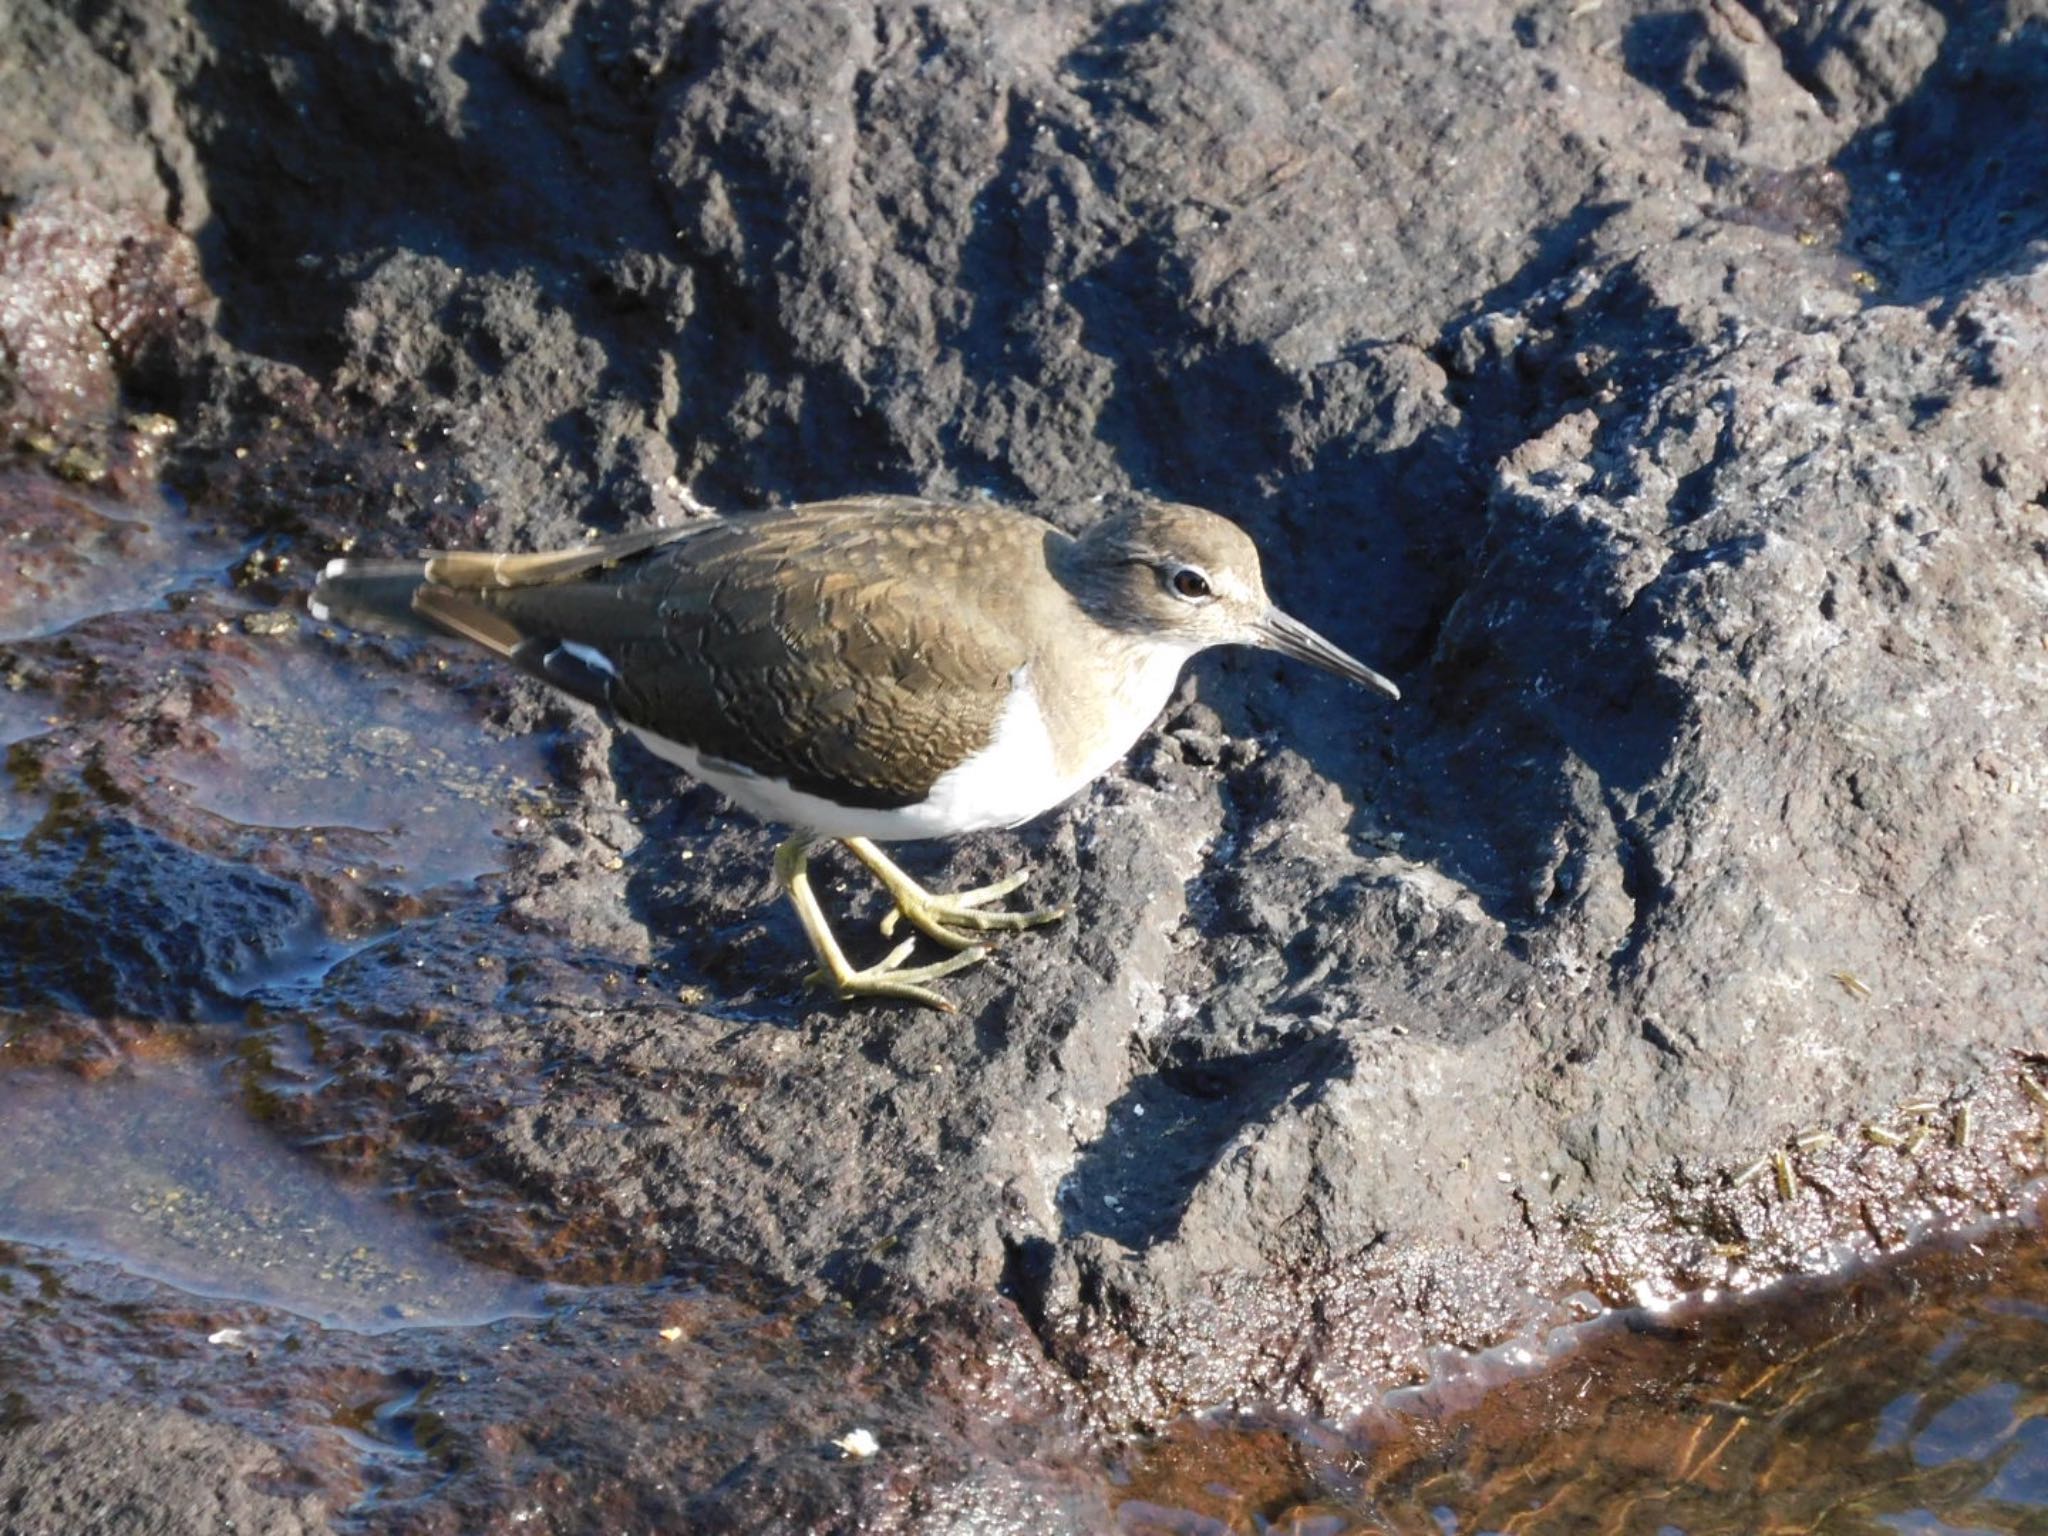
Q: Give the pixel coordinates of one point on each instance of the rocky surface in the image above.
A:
(116, 1469)
(1655, 390)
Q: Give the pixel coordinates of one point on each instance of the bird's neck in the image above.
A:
(1096, 711)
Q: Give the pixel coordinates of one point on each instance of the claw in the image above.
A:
(887, 978)
(948, 919)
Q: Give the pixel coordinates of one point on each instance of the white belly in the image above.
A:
(1015, 777)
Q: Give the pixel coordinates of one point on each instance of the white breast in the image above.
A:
(1014, 778)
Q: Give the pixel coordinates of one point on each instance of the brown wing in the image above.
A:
(837, 647)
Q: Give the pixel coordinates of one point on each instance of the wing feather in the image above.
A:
(809, 646)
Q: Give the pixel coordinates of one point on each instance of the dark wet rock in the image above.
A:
(1654, 390)
(114, 1471)
(102, 917)
(700, 1402)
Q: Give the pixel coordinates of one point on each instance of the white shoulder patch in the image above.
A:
(590, 656)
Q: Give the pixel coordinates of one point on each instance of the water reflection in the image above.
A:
(1912, 1399)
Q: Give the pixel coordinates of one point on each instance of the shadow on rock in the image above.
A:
(1678, 55)
(1941, 108)
(519, 257)
(1171, 1127)
(1544, 712)
(1946, 188)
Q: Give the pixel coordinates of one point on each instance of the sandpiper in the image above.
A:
(867, 670)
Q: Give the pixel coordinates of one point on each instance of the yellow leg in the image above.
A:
(886, 978)
(942, 918)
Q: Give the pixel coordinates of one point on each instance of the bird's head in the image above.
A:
(1180, 575)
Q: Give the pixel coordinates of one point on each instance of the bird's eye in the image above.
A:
(1191, 584)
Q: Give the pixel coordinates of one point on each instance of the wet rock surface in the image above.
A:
(1655, 391)
(109, 919)
(734, 1390)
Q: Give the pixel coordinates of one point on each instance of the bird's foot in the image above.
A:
(942, 918)
(887, 977)
(954, 920)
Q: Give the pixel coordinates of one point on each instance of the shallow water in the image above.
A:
(1912, 1398)
(156, 1169)
(287, 732)
(22, 715)
(72, 553)
(318, 740)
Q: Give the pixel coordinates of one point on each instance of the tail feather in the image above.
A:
(371, 594)
(379, 594)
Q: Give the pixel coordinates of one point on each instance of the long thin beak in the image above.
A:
(1290, 637)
